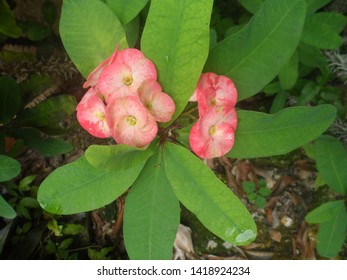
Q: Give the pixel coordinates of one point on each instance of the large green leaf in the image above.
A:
(322, 30)
(6, 209)
(325, 212)
(290, 72)
(10, 99)
(90, 32)
(80, 187)
(332, 232)
(117, 157)
(201, 192)
(260, 135)
(331, 160)
(48, 113)
(9, 168)
(176, 38)
(152, 214)
(126, 11)
(253, 56)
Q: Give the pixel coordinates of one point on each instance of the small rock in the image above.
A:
(287, 221)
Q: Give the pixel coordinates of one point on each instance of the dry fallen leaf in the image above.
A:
(275, 235)
(183, 245)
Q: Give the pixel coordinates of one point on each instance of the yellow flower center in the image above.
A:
(212, 130)
(131, 120)
(213, 101)
(128, 80)
(100, 115)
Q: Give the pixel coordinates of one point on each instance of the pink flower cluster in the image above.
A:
(125, 101)
(213, 134)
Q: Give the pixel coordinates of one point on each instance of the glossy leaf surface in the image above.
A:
(9, 168)
(176, 38)
(331, 159)
(201, 192)
(79, 187)
(90, 32)
(253, 56)
(152, 214)
(260, 135)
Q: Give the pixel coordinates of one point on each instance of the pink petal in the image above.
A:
(93, 77)
(112, 81)
(91, 115)
(159, 104)
(194, 96)
(129, 70)
(213, 134)
(142, 68)
(215, 91)
(130, 122)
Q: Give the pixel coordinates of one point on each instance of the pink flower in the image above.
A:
(159, 104)
(213, 134)
(130, 122)
(126, 73)
(215, 91)
(93, 77)
(91, 115)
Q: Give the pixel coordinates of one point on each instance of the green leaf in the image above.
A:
(132, 30)
(9, 168)
(26, 181)
(248, 187)
(264, 191)
(90, 32)
(322, 30)
(260, 201)
(279, 102)
(201, 192)
(308, 93)
(8, 25)
(65, 244)
(49, 112)
(10, 99)
(52, 147)
(29, 202)
(80, 187)
(38, 32)
(73, 229)
(251, 6)
(6, 209)
(117, 157)
(94, 254)
(46, 146)
(261, 135)
(331, 160)
(255, 55)
(176, 38)
(332, 234)
(311, 56)
(53, 226)
(126, 11)
(325, 212)
(290, 72)
(314, 5)
(152, 214)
